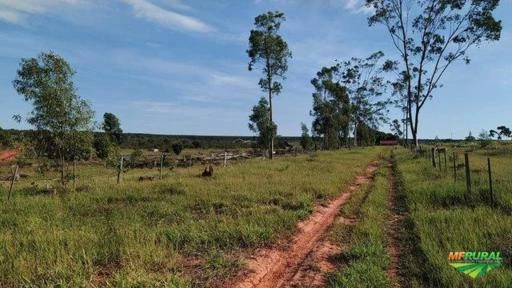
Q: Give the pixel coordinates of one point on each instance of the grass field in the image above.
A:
(443, 218)
(182, 231)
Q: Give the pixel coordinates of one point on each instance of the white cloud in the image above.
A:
(222, 79)
(11, 16)
(356, 6)
(16, 11)
(151, 12)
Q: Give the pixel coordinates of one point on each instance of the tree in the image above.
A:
(136, 156)
(363, 79)
(177, 148)
(102, 145)
(484, 139)
(5, 138)
(331, 108)
(269, 49)
(431, 35)
(112, 126)
(470, 137)
(305, 139)
(61, 117)
(503, 131)
(260, 123)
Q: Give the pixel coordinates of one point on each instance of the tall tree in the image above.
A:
(260, 123)
(269, 49)
(331, 108)
(430, 35)
(59, 114)
(112, 126)
(364, 81)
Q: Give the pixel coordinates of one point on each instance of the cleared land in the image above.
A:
(260, 223)
(182, 231)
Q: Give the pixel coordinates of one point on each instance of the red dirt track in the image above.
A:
(274, 267)
(8, 155)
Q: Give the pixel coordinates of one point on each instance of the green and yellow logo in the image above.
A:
(474, 264)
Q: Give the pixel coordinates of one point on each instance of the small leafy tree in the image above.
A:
(112, 126)
(305, 139)
(260, 123)
(102, 145)
(430, 36)
(470, 137)
(484, 139)
(63, 119)
(267, 47)
(136, 156)
(177, 148)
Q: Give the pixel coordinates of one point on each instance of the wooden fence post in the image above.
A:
(15, 173)
(445, 165)
(225, 158)
(161, 165)
(74, 175)
(439, 159)
(468, 173)
(120, 171)
(490, 180)
(433, 150)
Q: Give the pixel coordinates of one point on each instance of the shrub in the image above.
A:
(177, 148)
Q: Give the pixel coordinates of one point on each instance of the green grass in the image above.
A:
(442, 218)
(366, 261)
(182, 231)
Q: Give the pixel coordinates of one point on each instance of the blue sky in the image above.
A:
(180, 67)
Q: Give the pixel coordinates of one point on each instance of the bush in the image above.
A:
(5, 138)
(102, 146)
(177, 148)
(136, 156)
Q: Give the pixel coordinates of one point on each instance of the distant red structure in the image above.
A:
(388, 142)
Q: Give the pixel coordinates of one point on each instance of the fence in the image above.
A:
(439, 159)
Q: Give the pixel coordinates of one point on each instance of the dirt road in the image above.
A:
(274, 267)
(8, 155)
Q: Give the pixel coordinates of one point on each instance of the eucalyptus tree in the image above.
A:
(112, 126)
(62, 119)
(331, 108)
(431, 35)
(270, 50)
(260, 123)
(502, 131)
(365, 84)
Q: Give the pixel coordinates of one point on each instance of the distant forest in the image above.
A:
(164, 142)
